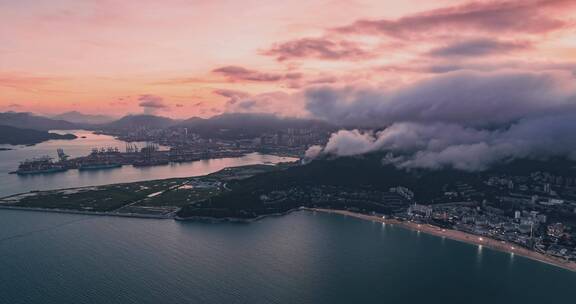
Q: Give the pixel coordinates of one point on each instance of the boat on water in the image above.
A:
(40, 165)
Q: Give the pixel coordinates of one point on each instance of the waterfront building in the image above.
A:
(420, 210)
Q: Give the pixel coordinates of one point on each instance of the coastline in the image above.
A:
(236, 219)
(97, 213)
(459, 236)
(456, 235)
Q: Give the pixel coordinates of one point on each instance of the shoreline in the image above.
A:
(236, 219)
(460, 236)
(96, 213)
(455, 235)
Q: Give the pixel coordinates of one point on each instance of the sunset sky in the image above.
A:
(183, 58)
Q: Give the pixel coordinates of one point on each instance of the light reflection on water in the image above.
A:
(11, 183)
(479, 255)
(298, 258)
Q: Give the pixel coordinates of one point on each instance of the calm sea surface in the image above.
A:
(298, 258)
(303, 257)
(12, 183)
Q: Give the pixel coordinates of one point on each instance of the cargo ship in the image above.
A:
(41, 165)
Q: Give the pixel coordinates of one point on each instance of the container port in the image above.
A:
(102, 158)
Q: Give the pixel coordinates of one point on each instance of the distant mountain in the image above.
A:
(31, 121)
(247, 125)
(252, 120)
(225, 126)
(81, 118)
(17, 136)
(139, 121)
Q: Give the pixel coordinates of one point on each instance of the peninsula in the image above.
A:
(18, 136)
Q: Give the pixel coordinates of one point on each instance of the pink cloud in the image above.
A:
(518, 16)
(318, 48)
(238, 73)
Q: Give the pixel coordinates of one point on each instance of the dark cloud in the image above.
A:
(318, 48)
(479, 47)
(15, 105)
(238, 73)
(517, 16)
(179, 105)
(151, 103)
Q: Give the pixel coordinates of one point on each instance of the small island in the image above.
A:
(18, 136)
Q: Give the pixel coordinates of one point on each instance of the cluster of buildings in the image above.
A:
(292, 137)
(530, 229)
(290, 141)
(536, 211)
(539, 187)
(541, 218)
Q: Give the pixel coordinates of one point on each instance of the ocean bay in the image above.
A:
(303, 257)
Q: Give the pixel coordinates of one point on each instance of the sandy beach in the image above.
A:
(462, 237)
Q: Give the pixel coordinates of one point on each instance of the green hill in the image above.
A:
(361, 183)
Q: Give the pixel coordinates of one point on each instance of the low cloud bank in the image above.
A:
(467, 121)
